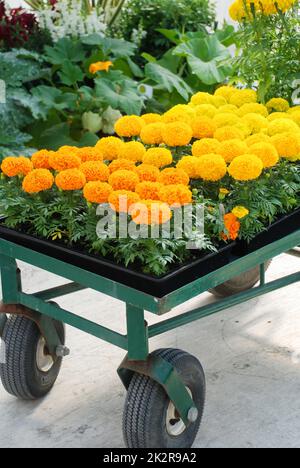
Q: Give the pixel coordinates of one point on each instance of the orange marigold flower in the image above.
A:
(206, 146)
(148, 190)
(40, 159)
(151, 134)
(14, 166)
(70, 179)
(230, 149)
(124, 180)
(110, 147)
(203, 127)
(212, 167)
(175, 195)
(172, 176)
(38, 180)
(158, 157)
(232, 226)
(229, 133)
(177, 134)
(97, 192)
(266, 152)
(147, 173)
(62, 160)
(121, 200)
(68, 149)
(119, 164)
(129, 126)
(95, 170)
(150, 212)
(133, 151)
(190, 165)
(100, 66)
(151, 118)
(90, 153)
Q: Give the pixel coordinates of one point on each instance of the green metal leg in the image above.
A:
(262, 274)
(10, 279)
(137, 334)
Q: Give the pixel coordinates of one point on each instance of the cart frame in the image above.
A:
(37, 307)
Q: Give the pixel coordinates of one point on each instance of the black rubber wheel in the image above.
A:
(240, 283)
(29, 372)
(150, 419)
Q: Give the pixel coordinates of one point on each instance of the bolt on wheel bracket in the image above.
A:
(165, 375)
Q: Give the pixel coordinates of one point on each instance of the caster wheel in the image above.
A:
(240, 283)
(150, 419)
(29, 371)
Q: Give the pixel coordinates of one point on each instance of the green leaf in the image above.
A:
(116, 47)
(88, 139)
(70, 74)
(150, 58)
(16, 69)
(65, 50)
(23, 98)
(167, 79)
(54, 98)
(172, 34)
(56, 136)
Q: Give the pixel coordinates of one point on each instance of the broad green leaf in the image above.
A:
(172, 34)
(15, 70)
(88, 139)
(111, 46)
(70, 74)
(56, 136)
(65, 50)
(167, 79)
(122, 94)
(149, 57)
(54, 98)
(23, 98)
(227, 35)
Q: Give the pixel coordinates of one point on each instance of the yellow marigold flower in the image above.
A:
(203, 127)
(225, 92)
(150, 212)
(148, 190)
(158, 157)
(205, 110)
(258, 138)
(231, 149)
(70, 179)
(190, 165)
(224, 191)
(63, 160)
(172, 176)
(177, 134)
(255, 122)
(133, 151)
(95, 171)
(228, 109)
(97, 192)
(179, 113)
(110, 147)
(13, 166)
(253, 108)
(122, 200)
(151, 118)
(294, 109)
(238, 12)
(284, 5)
(90, 153)
(212, 167)
(246, 167)
(120, 164)
(100, 66)
(124, 180)
(205, 146)
(295, 116)
(243, 96)
(218, 101)
(148, 173)
(37, 181)
(282, 126)
(225, 120)
(278, 105)
(40, 159)
(201, 98)
(151, 134)
(228, 133)
(244, 128)
(240, 212)
(266, 152)
(278, 115)
(287, 145)
(129, 126)
(175, 195)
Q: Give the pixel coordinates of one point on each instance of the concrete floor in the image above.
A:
(250, 353)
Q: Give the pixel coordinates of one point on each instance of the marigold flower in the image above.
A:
(246, 167)
(201, 98)
(232, 226)
(158, 157)
(176, 195)
(97, 192)
(255, 122)
(224, 191)
(177, 134)
(278, 115)
(206, 146)
(172, 176)
(40, 159)
(266, 152)
(100, 66)
(190, 165)
(218, 101)
(13, 166)
(240, 212)
(243, 96)
(253, 108)
(282, 126)
(70, 179)
(62, 160)
(69, 149)
(121, 164)
(147, 173)
(37, 181)
(129, 126)
(205, 110)
(122, 200)
(287, 144)
(151, 118)
(228, 133)
(230, 149)
(257, 138)
(148, 190)
(225, 120)
(295, 116)
(90, 153)
(95, 171)
(294, 109)
(110, 147)
(179, 113)
(228, 109)
(133, 151)
(203, 127)
(212, 167)
(225, 91)
(124, 180)
(150, 212)
(151, 134)
(278, 105)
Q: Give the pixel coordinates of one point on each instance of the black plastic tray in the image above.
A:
(157, 287)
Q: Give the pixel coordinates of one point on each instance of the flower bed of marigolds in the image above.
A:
(226, 151)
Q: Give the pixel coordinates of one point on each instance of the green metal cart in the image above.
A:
(165, 389)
